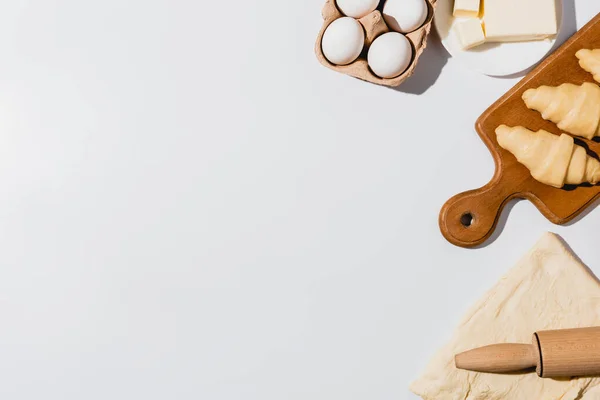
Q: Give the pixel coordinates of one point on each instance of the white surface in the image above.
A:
(177, 225)
(495, 59)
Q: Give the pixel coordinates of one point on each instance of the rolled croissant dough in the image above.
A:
(548, 289)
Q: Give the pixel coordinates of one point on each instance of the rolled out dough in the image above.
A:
(548, 289)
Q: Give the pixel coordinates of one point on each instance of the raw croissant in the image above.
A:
(590, 61)
(552, 160)
(575, 109)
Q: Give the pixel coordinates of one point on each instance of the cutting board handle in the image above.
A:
(469, 219)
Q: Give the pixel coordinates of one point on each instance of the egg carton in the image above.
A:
(374, 25)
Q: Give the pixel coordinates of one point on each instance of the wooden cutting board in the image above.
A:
(469, 219)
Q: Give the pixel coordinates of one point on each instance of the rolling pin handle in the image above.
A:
(498, 358)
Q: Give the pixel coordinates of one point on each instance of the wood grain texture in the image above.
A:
(483, 207)
(374, 25)
(498, 358)
(569, 352)
(562, 353)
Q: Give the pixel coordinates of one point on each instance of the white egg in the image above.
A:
(343, 41)
(405, 15)
(389, 55)
(357, 8)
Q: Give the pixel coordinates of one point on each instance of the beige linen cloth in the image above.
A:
(548, 289)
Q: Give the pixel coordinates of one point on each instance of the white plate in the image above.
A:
(496, 59)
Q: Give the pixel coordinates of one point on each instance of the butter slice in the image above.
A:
(519, 20)
(469, 33)
(466, 8)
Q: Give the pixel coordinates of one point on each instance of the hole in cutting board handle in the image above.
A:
(467, 219)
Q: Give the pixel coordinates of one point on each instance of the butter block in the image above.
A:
(469, 33)
(466, 8)
(519, 20)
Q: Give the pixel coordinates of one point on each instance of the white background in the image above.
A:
(193, 208)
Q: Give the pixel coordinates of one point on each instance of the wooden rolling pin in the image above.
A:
(554, 354)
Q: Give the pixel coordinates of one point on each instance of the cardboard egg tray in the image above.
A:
(374, 25)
